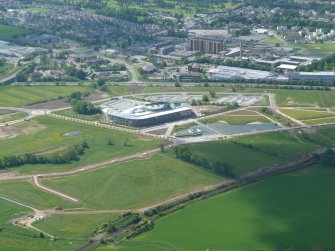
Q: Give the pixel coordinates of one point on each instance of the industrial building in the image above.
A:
(210, 45)
(311, 76)
(143, 114)
(228, 72)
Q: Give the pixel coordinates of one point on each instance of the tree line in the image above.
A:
(67, 156)
(219, 168)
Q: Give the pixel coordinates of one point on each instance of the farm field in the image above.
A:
(236, 120)
(25, 95)
(42, 135)
(26, 192)
(133, 184)
(8, 31)
(261, 216)
(306, 114)
(14, 238)
(12, 116)
(73, 226)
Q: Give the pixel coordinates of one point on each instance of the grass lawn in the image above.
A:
(320, 121)
(40, 10)
(133, 184)
(327, 47)
(267, 215)
(73, 226)
(26, 192)
(25, 95)
(6, 68)
(14, 238)
(306, 114)
(305, 98)
(12, 116)
(72, 114)
(272, 41)
(47, 134)
(8, 31)
(258, 151)
(236, 120)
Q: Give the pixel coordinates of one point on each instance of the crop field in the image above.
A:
(26, 192)
(133, 184)
(14, 238)
(25, 95)
(73, 226)
(307, 114)
(236, 120)
(7, 31)
(42, 135)
(262, 216)
(305, 98)
(12, 116)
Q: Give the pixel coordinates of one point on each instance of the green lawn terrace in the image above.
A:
(45, 135)
(269, 215)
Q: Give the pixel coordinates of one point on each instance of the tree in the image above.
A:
(212, 94)
(177, 84)
(162, 146)
(126, 142)
(205, 99)
(101, 82)
(110, 142)
(80, 74)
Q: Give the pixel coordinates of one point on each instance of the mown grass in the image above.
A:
(75, 225)
(12, 116)
(133, 184)
(320, 121)
(25, 95)
(14, 238)
(328, 47)
(236, 120)
(306, 114)
(26, 192)
(44, 134)
(268, 215)
(305, 98)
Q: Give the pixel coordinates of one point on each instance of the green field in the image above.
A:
(327, 47)
(258, 151)
(133, 184)
(25, 95)
(291, 210)
(26, 192)
(6, 68)
(8, 32)
(305, 98)
(45, 134)
(320, 121)
(14, 238)
(306, 114)
(236, 119)
(12, 116)
(73, 226)
(72, 114)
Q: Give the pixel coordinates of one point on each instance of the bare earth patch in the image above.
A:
(161, 131)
